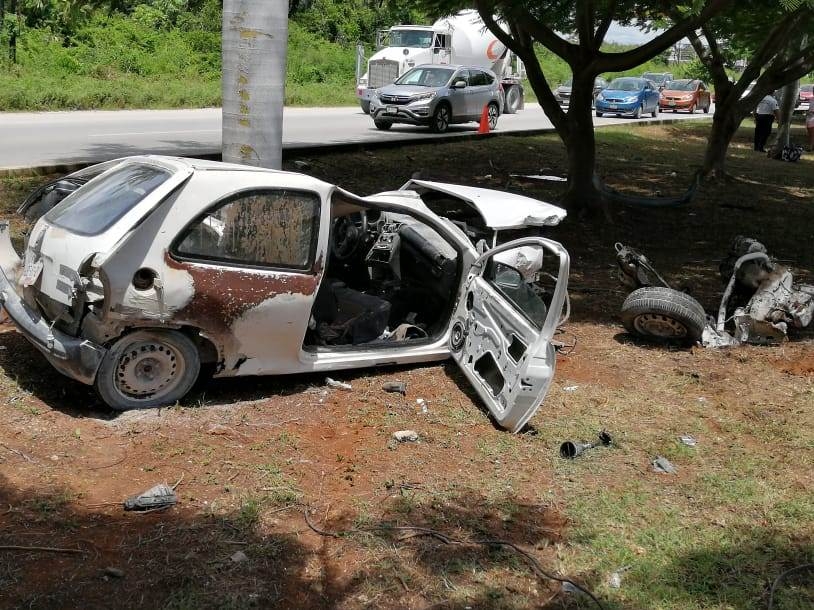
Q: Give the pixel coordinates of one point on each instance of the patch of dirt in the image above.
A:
(252, 454)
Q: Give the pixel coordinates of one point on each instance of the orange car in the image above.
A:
(685, 94)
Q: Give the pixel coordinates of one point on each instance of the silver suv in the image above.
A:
(438, 96)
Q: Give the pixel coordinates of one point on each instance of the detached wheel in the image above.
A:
(148, 368)
(512, 102)
(441, 119)
(383, 125)
(663, 314)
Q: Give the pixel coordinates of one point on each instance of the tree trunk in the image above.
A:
(725, 123)
(255, 42)
(787, 103)
(582, 194)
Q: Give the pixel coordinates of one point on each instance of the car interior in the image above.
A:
(389, 278)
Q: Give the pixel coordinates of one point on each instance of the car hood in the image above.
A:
(406, 90)
(619, 93)
(499, 209)
(676, 92)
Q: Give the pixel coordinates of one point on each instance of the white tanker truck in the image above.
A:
(462, 39)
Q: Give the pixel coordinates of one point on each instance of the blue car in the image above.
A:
(628, 95)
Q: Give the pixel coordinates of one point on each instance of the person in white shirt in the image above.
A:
(766, 112)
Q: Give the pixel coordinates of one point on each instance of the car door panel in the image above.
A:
(504, 354)
(255, 316)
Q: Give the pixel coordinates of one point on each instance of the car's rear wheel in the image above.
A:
(148, 368)
(365, 104)
(663, 314)
(706, 108)
(441, 119)
(383, 125)
(512, 102)
(493, 112)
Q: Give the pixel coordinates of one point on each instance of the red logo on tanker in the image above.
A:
(495, 49)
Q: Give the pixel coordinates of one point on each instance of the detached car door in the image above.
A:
(502, 329)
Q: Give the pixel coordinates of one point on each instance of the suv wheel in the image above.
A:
(493, 113)
(441, 119)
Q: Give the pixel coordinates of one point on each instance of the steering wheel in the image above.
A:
(347, 234)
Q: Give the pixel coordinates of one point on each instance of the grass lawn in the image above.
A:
(251, 453)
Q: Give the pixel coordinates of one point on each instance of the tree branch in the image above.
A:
(612, 62)
(585, 23)
(604, 25)
(537, 29)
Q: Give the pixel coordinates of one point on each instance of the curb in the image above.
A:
(298, 150)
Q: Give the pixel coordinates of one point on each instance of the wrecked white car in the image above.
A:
(157, 265)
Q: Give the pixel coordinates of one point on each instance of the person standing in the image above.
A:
(766, 112)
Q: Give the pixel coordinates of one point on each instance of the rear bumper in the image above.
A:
(74, 357)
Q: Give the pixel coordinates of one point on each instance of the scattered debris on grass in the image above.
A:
(239, 557)
(572, 449)
(689, 440)
(395, 387)
(337, 385)
(158, 497)
(406, 436)
(663, 466)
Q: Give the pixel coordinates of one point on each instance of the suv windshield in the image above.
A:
(626, 84)
(411, 38)
(680, 85)
(93, 208)
(426, 77)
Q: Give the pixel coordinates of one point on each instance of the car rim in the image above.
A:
(442, 120)
(148, 369)
(492, 117)
(656, 325)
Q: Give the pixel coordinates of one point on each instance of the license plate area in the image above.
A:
(391, 110)
(672, 103)
(613, 106)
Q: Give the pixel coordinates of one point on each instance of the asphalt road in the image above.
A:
(37, 139)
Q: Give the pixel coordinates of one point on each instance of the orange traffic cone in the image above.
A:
(484, 120)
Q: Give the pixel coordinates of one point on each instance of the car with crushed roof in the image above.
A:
(141, 272)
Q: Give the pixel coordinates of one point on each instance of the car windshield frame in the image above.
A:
(616, 84)
(403, 35)
(100, 203)
(681, 85)
(401, 80)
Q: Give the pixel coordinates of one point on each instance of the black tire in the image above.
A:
(365, 104)
(512, 102)
(706, 109)
(656, 111)
(693, 108)
(599, 114)
(493, 112)
(148, 368)
(663, 314)
(441, 118)
(675, 110)
(383, 125)
(638, 112)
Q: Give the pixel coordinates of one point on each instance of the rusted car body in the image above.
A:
(157, 265)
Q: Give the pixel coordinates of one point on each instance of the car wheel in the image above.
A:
(663, 314)
(675, 110)
(493, 112)
(148, 368)
(383, 125)
(365, 104)
(706, 109)
(599, 114)
(512, 102)
(692, 109)
(441, 119)
(655, 111)
(638, 112)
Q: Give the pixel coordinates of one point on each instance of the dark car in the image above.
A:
(685, 94)
(659, 78)
(563, 92)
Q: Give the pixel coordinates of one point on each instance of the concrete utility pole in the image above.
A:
(255, 42)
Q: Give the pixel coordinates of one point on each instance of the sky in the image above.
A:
(629, 35)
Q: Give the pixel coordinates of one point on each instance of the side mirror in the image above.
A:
(459, 84)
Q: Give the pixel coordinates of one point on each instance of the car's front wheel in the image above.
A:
(655, 111)
(383, 125)
(441, 119)
(692, 109)
(599, 114)
(148, 368)
(638, 112)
